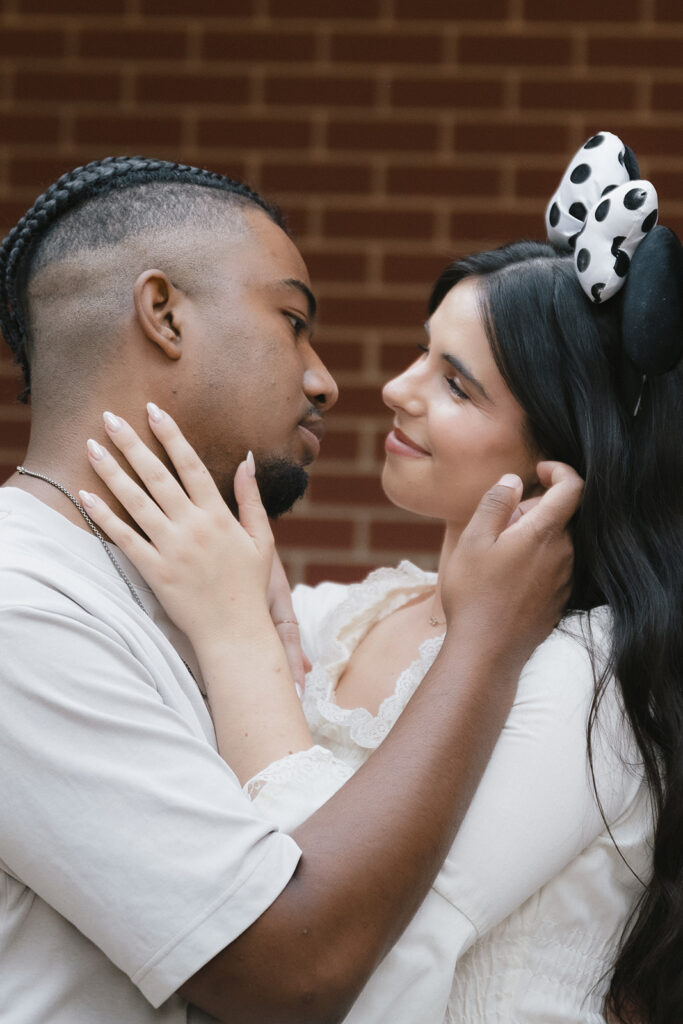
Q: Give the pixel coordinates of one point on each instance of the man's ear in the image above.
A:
(156, 308)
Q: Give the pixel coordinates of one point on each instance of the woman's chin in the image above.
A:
(404, 494)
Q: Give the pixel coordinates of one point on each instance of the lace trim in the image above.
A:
(368, 602)
(314, 764)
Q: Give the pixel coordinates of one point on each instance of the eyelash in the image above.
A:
(458, 392)
(298, 325)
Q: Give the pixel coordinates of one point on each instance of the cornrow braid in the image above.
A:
(75, 187)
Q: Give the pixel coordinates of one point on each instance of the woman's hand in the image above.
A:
(509, 577)
(209, 571)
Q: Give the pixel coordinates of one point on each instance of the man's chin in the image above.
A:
(281, 484)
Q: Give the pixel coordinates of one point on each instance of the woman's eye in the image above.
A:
(423, 348)
(452, 383)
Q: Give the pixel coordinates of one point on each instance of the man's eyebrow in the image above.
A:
(292, 282)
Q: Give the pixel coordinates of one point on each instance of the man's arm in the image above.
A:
(371, 852)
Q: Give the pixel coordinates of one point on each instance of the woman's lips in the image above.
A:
(397, 443)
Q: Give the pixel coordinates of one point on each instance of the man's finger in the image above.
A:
(495, 509)
(561, 499)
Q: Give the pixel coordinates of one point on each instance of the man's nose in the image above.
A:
(319, 384)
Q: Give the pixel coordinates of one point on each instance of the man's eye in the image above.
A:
(297, 323)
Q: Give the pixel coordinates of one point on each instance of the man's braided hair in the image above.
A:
(96, 179)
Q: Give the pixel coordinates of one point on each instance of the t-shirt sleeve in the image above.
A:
(535, 809)
(118, 814)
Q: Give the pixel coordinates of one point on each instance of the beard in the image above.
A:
(281, 484)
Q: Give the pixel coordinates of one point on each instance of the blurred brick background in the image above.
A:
(396, 134)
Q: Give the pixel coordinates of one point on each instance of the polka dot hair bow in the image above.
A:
(602, 211)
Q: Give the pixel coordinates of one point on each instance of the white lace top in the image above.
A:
(523, 920)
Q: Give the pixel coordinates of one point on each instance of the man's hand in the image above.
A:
(509, 578)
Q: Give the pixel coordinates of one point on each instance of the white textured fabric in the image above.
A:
(129, 854)
(540, 890)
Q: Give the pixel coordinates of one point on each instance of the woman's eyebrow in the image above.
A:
(467, 374)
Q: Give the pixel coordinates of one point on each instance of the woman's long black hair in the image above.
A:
(560, 356)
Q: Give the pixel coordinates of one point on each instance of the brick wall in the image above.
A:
(396, 133)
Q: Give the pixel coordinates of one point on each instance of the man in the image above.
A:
(138, 878)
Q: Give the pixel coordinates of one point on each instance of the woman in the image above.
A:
(554, 863)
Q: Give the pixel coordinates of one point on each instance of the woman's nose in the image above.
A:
(404, 393)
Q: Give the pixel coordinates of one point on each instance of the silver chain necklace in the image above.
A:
(74, 501)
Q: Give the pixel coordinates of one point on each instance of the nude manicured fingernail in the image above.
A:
(154, 412)
(251, 465)
(87, 499)
(113, 422)
(299, 691)
(510, 480)
(95, 450)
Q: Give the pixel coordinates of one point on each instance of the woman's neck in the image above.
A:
(450, 540)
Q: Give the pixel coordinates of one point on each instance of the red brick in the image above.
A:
(383, 47)
(16, 127)
(411, 536)
(382, 135)
(11, 384)
(635, 51)
(11, 210)
(561, 94)
(668, 10)
(31, 42)
(313, 533)
(37, 172)
(319, 572)
(128, 130)
(330, 9)
(233, 168)
(340, 444)
(340, 355)
(537, 181)
(378, 224)
(178, 88)
(512, 137)
(103, 8)
(258, 133)
(319, 91)
(427, 179)
(336, 266)
(316, 177)
(619, 11)
(667, 96)
(148, 45)
(410, 268)
(364, 401)
(451, 93)
(347, 489)
(199, 8)
(297, 218)
(396, 356)
(259, 45)
(67, 86)
(371, 312)
(675, 222)
(669, 185)
(451, 10)
(514, 49)
(651, 140)
(498, 227)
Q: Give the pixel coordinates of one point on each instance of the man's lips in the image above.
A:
(398, 443)
(313, 431)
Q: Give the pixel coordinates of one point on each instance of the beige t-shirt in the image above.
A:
(129, 855)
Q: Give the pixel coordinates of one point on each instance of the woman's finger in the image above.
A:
(160, 483)
(192, 473)
(140, 507)
(138, 550)
(252, 514)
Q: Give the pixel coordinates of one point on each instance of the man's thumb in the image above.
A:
(495, 508)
